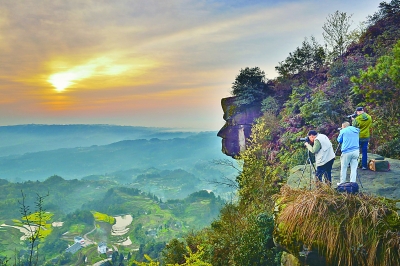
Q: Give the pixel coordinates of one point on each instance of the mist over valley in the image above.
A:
(165, 182)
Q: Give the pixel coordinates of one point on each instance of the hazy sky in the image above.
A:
(158, 63)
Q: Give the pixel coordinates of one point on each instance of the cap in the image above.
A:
(312, 132)
(360, 108)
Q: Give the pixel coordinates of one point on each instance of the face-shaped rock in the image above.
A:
(239, 120)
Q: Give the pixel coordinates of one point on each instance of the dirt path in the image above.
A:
(87, 240)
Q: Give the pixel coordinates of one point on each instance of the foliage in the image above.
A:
(326, 105)
(194, 258)
(382, 31)
(191, 259)
(299, 95)
(336, 33)
(386, 10)
(262, 173)
(381, 83)
(270, 105)
(79, 217)
(346, 229)
(249, 86)
(103, 217)
(40, 219)
(241, 237)
(174, 252)
(4, 261)
(380, 88)
(317, 111)
(390, 148)
(152, 249)
(321, 98)
(54, 245)
(243, 233)
(149, 263)
(195, 211)
(34, 226)
(224, 235)
(309, 57)
(256, 246)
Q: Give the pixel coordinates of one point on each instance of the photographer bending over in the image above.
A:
(324, 154)
(349, 138)
(363, 122)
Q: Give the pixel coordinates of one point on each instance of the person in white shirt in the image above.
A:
(324, 155)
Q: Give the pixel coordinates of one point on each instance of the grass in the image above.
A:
(346, 229)
(76, 229)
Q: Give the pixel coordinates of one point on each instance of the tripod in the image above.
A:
(310, 164)
(357, 174)
(338, 146)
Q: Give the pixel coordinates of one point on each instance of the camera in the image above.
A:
(306, 139)
(352, 115)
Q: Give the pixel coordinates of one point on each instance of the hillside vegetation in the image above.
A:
(318, 86)
(273, 223)
(91, 209)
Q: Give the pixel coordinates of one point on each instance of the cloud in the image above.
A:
(136, 53)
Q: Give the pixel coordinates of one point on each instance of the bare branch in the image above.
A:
(33, 229)
(226, 162)
(226, 181)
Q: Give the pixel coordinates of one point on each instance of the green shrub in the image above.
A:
(390, 149)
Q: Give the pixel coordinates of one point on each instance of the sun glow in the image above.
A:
(61, 80)
(102, 66)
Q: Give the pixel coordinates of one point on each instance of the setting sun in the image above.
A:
(61, 81)
(102, 66)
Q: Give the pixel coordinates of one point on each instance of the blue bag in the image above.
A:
(348, 187)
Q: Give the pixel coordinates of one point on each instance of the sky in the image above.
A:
(164, 63)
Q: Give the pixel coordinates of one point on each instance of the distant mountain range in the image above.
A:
(20, 139)
(76, 151)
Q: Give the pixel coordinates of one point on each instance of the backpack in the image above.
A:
(348, 187)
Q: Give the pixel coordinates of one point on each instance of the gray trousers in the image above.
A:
(346, 159)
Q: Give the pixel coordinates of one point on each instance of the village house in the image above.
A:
(79, 239)
(74, 248)
(102, 248)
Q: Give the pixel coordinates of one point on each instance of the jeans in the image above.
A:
(364, 148)
(346, 159)
(325, 169)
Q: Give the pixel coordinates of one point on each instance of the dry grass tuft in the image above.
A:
(346, 229)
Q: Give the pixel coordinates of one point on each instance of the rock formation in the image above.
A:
(237, 128)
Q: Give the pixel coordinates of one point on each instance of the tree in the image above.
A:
(34, 227)
(336, 33)
(309, 57)
(114, 257)
(386, 10)
(3, 261)
(249, 85)
(174, 252)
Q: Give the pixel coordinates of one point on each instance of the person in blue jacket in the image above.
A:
(349, 138)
